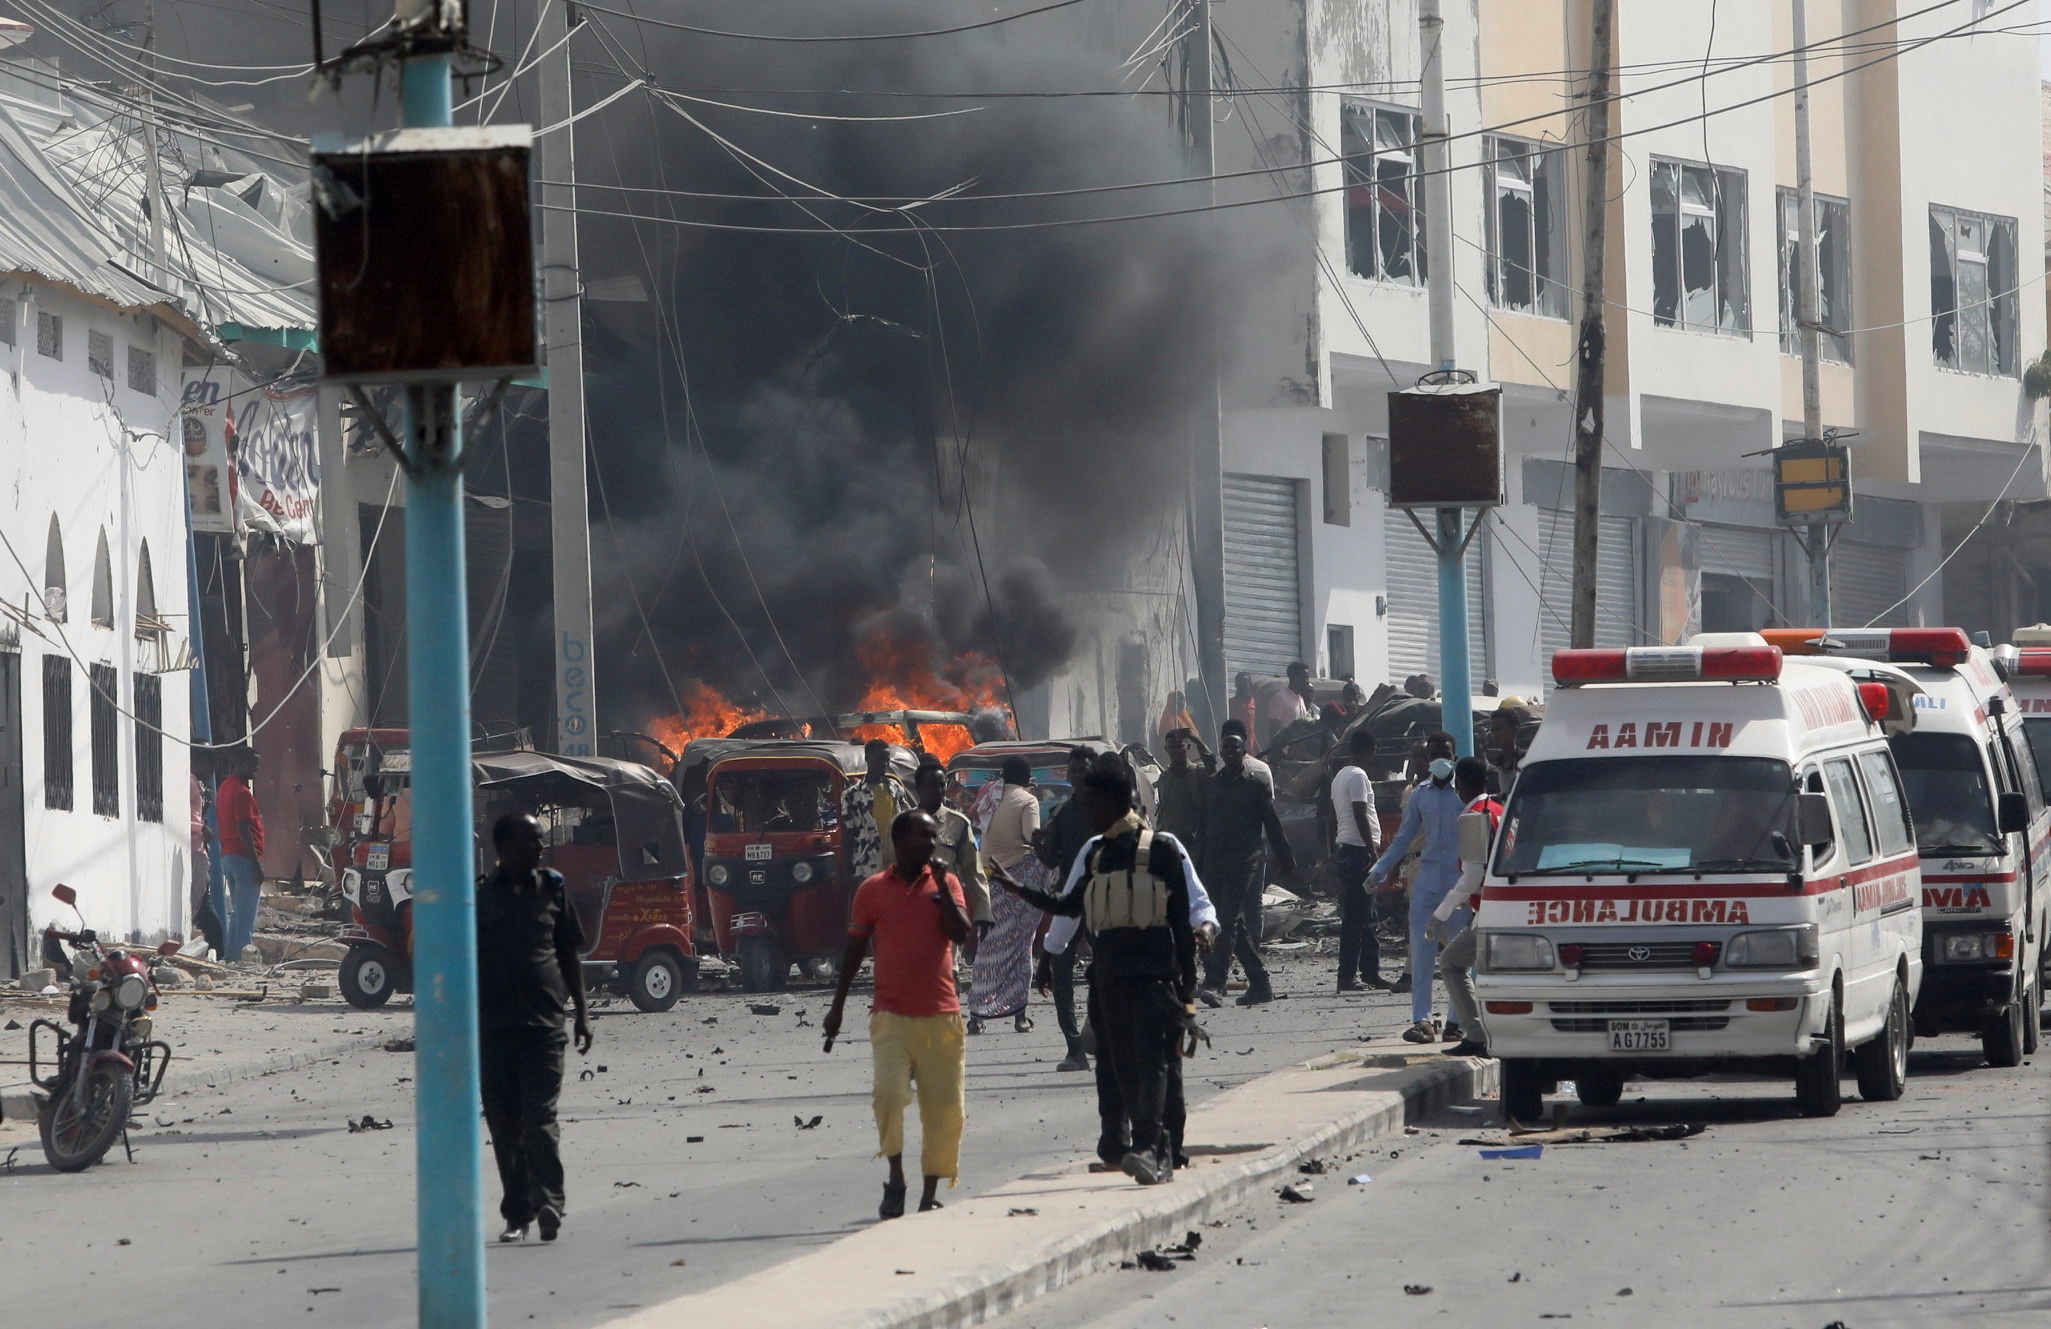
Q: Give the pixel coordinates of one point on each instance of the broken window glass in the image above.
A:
(1384, 198)
(1833, 298)
(1973, 303)
(1700, 277)
(1526, 239)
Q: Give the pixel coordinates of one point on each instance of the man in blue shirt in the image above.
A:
(1431, 817)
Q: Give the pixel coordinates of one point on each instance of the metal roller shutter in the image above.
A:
(1619, 593)
(1413, 592)
(1864, 581)
(1263, 576)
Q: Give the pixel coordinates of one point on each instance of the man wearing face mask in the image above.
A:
(1431, 821)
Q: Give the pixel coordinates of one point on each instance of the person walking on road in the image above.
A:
(1241, 833)
(1357, 841)
(1430, 819)
(915, 915)
(1452, 923)
(1137, 893)
(1003, 981)
(240, 823)
(869, 807)
(529, 945)
(1059, 842)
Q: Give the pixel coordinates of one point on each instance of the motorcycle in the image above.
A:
(109, 1065)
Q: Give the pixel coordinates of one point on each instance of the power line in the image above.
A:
(839, 37)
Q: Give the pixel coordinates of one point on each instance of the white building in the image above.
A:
(94, 698)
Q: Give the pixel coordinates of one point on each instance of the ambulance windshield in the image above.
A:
(1696, 815)
(1947, 787)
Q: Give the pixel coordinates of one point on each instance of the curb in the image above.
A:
(974, 1291)
(18, 1104)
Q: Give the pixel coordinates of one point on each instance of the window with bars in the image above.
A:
(1700, 274)
(142, 371)
(99, 353)
(1527, 226)
(106, 740)
(49, 334)
(149, 747)
(57, 732)
(1973, 291)
(1833, 264)
(1384, 197)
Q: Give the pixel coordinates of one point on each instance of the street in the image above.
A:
(257, 1200)
(1926, 1211)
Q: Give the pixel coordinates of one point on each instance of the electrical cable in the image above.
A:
(838, 37)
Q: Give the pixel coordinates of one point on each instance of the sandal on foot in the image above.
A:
(893, 1201)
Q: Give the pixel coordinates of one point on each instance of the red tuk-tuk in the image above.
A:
(777, 873)
(614, 829)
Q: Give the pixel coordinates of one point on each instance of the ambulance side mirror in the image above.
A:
(1812, 818)
(2014, 812)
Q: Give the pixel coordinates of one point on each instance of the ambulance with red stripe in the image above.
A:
(1706, 863)
(1981, 826)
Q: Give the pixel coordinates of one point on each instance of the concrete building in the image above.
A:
(1930, 220)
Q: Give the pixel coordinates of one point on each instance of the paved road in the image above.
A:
(1923, 1212)
(251, 1195)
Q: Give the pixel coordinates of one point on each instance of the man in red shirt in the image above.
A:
(916, 915)
(240, 824)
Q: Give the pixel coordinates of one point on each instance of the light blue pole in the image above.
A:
(1456, 681)
(449, 1182)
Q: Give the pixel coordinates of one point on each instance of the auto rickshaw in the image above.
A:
(777, 873)
(614, 829)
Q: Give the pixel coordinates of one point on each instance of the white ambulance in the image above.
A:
(1707, 863)
(1981, 826)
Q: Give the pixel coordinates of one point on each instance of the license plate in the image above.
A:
(1640, 1036)
(378, 858)
(757, 853)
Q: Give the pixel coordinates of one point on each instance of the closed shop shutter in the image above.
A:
(1739, 551)
(1413, 592)
(1619, 589)
(1263, 577)
(1864, 581)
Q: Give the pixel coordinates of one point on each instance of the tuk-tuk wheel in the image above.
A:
(764, 966)
(658, 981)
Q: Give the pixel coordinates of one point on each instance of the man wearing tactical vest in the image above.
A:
(1140, 898)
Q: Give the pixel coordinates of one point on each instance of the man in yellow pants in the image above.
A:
(916, 915)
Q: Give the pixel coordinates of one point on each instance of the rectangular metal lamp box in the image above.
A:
(425, 241)
(1446, 446)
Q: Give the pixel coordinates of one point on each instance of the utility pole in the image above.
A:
(562, 292)
(152, 168)
(448, 1150)
(1593, 346)
(1207, 445)
(1456, 684)
(1816, 541)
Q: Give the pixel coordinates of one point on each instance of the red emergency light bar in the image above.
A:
(2031, 662)
(1667, 664)
(1942, 648)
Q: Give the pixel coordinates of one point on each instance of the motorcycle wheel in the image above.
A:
(764, 966)
(369, 976)
(78, 1130)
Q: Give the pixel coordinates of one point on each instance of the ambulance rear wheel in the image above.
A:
(1522, 1096)
(1599, 1088)
(2002, 1040)
(1882, 1063)
(1819, 1088)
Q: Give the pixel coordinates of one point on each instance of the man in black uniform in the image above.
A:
(528, 940)
(1133, 890)
(1242, 817)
